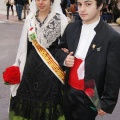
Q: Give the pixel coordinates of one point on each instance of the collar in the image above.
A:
(91, 26)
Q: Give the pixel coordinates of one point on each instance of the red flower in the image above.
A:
(12, 75)
(89, 84)
(31, 28)
(89, 92)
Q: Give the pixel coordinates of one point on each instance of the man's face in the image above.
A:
(43, 5)
(88, 10)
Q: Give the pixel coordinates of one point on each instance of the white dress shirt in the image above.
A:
(86, 37)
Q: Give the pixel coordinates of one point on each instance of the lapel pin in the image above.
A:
(93, 46)
(98, 49)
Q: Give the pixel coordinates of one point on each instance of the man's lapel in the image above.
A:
(97, 41)
(76, 36)
(94, 44)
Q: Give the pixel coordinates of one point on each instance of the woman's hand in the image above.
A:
(65, 50)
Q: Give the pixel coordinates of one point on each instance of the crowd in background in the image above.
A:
(19, 5)
(110, 12)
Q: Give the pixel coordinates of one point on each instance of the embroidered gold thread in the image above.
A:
(55, 67)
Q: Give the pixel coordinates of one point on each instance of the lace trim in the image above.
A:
(46, 35)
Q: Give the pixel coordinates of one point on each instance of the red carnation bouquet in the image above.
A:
(11, 75)
(91, 92)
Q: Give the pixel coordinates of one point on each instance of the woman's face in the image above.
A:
(43, 5)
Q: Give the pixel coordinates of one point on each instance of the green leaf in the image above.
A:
(6, 83)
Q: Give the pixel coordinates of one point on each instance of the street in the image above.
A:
(9, 39)
(10, 34)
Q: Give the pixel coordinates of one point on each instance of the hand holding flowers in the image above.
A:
(11, 75)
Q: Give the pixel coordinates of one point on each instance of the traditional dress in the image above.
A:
(39, 95)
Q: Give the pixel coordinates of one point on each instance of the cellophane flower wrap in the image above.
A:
(91, 92)
(11, 75)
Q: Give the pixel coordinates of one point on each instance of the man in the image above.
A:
(94, 55)
(26, 8)
(19, 7)
(74, 10)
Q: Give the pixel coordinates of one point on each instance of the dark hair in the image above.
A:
(52, 1)
(99, 2)
(73, 1)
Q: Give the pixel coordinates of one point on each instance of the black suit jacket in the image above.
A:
(102, 63)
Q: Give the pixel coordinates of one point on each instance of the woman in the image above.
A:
(39, 95)
(9, 4)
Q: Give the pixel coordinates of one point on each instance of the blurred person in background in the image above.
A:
(19, 7)
(26, 8)
(9, 4)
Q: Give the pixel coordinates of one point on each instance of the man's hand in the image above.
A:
(69, 61)
(101, 112)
